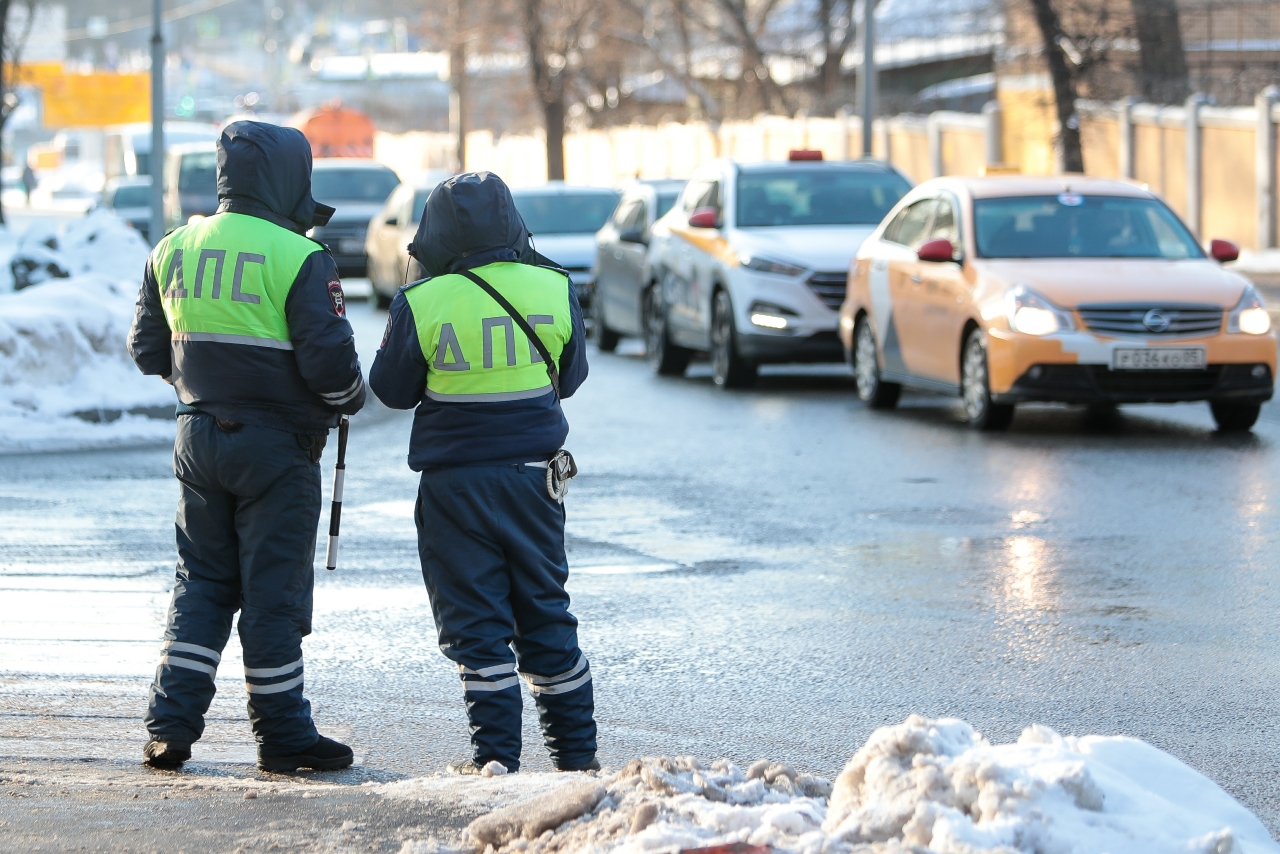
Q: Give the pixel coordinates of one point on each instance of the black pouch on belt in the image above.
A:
(313, 445)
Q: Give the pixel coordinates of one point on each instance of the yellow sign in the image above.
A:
(95, 99)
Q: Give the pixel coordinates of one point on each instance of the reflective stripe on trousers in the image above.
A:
(575, 677)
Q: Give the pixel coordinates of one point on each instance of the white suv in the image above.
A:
(751, 263)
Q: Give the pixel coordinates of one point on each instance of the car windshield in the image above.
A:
(354, 184)
(1077, 226)
(817, 197)
(199, 173)
(565, 213)
(666, 201)
(131, 196)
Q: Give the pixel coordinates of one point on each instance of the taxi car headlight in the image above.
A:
(768, 265)
(1032, 314)
(771, 316)
(1250, 315)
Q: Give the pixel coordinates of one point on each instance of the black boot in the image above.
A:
(325, 755)
(165, 755)
(591, 764)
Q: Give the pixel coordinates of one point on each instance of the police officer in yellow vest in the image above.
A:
(488, 422)
(244, 315)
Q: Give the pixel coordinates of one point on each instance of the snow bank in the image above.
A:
(66, 380)
(923, 786)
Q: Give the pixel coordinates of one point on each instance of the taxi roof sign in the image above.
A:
(804, 154)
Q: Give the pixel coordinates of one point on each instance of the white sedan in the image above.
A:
(751, 263)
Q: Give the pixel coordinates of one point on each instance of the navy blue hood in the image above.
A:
(469, 221)
(265, 171)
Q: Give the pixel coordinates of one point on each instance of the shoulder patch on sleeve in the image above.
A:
(386, 336)
(338, 299)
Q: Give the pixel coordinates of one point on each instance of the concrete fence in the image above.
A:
(1216, 166)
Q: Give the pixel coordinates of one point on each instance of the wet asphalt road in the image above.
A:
(773, 572)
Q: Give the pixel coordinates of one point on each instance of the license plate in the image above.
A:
(351, 246)
(1157, 359)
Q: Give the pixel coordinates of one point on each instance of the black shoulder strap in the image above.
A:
(552, 372)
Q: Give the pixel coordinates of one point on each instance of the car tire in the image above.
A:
(666, 359)
(865, 361)
(728, 368)
(975, 387)
(604, 337)
(1235, 417)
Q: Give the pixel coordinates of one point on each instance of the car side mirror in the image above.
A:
(937, 249)
(705, 218)
(634, 235)
(1223, 250)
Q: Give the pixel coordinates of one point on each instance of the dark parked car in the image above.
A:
(564, 220)
(356, 189)
(620, 260)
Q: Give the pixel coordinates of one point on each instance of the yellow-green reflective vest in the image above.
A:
(226, 279)
(475, 352)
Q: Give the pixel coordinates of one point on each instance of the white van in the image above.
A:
(127, 148)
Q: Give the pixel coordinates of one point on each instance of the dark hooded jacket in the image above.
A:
(264, 171)
(471, 221)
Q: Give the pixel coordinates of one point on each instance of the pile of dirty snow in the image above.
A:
(66, 379)
(923, 786)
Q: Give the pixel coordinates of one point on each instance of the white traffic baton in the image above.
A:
(335, 509)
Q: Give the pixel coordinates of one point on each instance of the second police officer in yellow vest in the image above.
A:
(488, 421)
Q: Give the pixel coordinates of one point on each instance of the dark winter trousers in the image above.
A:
(246, 541)
(492, 548)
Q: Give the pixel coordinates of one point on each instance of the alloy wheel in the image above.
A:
(865, 370)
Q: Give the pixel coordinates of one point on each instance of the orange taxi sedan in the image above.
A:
(1009, 289)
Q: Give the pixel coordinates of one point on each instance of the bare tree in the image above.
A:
(835, 20)
(667, 33)
(1064, 62)
(748, 22)
(1162, 64)
(13, 39)
(554, 32)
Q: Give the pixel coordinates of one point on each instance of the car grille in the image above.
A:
(1130, 319)
(1156, 382)
(830, 288)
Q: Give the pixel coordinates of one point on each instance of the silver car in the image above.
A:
(130, 199)
(621, 268)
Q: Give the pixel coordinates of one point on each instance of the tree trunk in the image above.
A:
(1064, 85)
(458, 103)
(829, 73)
(549, 86)
(831, 70)
(553, 116)
(1162, 64)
